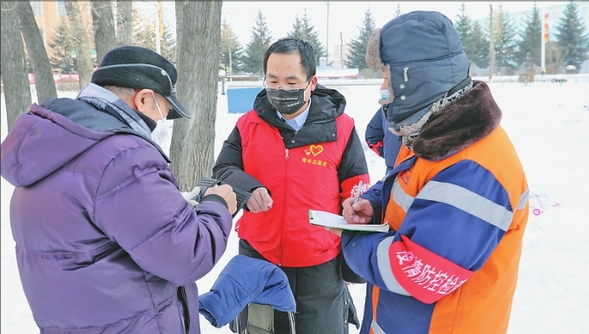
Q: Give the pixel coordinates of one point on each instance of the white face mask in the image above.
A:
(161, 134)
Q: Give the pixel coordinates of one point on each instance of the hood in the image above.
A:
(42, 141)
(326, 104)
(424, 54)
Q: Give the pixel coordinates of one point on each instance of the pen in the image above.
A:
(357, 196)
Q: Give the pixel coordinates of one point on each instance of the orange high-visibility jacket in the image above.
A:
(450, 262)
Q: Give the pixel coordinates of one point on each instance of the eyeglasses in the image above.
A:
(270, 87)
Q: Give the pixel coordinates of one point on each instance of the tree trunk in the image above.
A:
(124, 22)
(17, 93)
(44, 83)
(80, 35)
(104, 28)
(193, 143)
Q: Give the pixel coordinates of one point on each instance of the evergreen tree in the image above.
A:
(61, 46)
(230, 53)
(571, 36)
(479, 47)
(144, 35)
(303, 29)
(504, 38)
(257, 46)
(398, 10)
(529, 49)
(168, 48)
(474, 39)
(143, 31)
(357, 54)
(464, 28)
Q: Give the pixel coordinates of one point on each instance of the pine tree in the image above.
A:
(504, 38)
(143, 31)
(168, 48)
(464, 28)
(357, 54)
(398, 10)
(474, 40)
(571, 36)
(61, 46)
(231, 51)
(257, 46)
(529, 48)
(304, 29)
(479, 48)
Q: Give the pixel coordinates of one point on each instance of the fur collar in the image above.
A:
(459, 125)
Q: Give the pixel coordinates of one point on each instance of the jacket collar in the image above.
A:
(459, 125)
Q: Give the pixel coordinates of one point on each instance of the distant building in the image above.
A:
(48, 14)
(339, 56)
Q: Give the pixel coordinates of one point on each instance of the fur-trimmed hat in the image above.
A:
(138, 68)
(426, 60)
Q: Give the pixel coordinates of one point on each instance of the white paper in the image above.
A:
(329, 219)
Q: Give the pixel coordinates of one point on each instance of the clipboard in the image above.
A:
(328, 219)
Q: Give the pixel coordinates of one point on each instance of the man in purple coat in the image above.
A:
(105, 241)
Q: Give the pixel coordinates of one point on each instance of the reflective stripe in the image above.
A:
(376, 328)
(467, 201)
(384, 267)
(523, 199)
(401, 197)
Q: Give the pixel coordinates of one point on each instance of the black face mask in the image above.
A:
(287, 102)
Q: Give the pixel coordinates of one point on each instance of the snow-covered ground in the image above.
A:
(549, 125)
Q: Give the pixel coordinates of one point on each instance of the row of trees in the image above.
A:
(142, 33)
(191, 151)
(234, 58)
(513, 48)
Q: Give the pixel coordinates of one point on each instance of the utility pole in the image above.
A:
(158, 33)
(230, 63)
(544, 39)
(341, 49)
(491, 44)
(327, 36)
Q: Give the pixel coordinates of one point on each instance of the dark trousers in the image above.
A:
(324, 304)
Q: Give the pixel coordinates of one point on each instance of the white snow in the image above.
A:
(549, 126)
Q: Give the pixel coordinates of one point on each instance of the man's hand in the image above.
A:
(357, 213)
(336, 231)
(260, 200)
(225, 191)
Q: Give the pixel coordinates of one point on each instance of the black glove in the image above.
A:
(206, 182)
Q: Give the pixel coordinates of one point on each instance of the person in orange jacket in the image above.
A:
(456, 202)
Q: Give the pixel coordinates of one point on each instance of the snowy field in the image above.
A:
(549, 125)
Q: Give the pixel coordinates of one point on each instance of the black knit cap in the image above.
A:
(139, 68)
